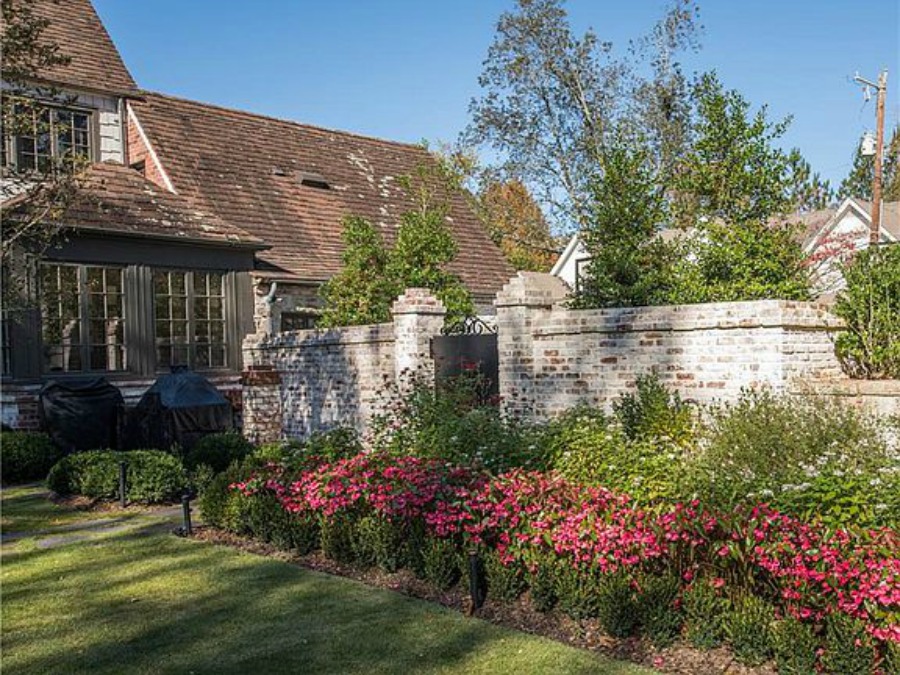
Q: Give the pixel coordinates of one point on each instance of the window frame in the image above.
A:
(192, 320)
(12, 151)
(84, 318)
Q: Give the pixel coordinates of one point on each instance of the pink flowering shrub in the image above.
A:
(529, 518)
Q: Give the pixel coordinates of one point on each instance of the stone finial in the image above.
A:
(418, 301)
(532, 289)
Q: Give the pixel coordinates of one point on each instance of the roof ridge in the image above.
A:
(284, 120)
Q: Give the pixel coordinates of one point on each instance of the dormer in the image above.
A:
(78, 108)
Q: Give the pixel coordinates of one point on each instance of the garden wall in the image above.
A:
(300, 382)
(551, 358)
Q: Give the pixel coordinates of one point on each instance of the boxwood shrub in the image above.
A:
(152, 475)
(26, 455)
(218, 451)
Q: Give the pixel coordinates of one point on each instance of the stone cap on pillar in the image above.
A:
(532, 289)
(418, 301)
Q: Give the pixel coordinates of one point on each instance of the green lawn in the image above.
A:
(144, 601)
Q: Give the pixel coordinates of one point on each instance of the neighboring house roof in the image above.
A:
(819, 224)
(248, 169)
(78, 32)
(118, 200)
(890, 216)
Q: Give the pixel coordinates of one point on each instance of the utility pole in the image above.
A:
(881, 88)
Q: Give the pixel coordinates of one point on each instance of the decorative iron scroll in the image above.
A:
(470, 325)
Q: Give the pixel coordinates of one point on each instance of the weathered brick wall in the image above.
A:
(337, 377)
(553, 358)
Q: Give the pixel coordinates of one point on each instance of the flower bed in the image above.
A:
(596, 554)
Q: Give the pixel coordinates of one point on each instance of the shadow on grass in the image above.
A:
(145, 602)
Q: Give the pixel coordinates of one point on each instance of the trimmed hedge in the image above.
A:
(152, 475)
(26, 455)
(218, 451)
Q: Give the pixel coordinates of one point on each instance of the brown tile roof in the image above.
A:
(247, 168)
(117, 199)
(95, 62)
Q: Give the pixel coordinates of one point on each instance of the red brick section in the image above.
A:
(116, 198)
(247, 169)
(138, 152)
(78, 32)
(258, 376)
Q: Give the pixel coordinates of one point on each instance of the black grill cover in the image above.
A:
(181, 408)
(81, 414)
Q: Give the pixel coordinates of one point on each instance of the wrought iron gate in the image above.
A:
(468, 347)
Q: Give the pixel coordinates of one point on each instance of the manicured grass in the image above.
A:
(144, 601)
(26, 508)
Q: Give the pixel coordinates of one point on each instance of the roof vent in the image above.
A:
(313, 180)
(279, 171)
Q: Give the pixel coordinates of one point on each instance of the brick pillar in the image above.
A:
(418, 316)
(523, 303)
(262, 409)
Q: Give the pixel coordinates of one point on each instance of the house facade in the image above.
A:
(192, 226)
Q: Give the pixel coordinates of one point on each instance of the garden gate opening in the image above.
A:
(468, 348)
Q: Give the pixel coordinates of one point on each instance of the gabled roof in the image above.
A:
(116, 199)
(249, 170)
(820, 223)
(95, 62)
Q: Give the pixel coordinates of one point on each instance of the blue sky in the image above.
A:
(407, 69)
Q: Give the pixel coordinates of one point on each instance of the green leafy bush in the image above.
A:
(748, 627)
(870, 307)
(794, 645)
(654, 412)
(504, 582)
(448, 422)
(215, 497)
(26, 455)
(267, 520)
(334, 444)
(587, 447)
(704, 611)
(218, 451)
(657, 608)
(542, 583)
(848, 647)
(379, 541)
(336, 538)
(616, 610)
(804, 455)
(151, 475)
(440, 562)
(577, 591)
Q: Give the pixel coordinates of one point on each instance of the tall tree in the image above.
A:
(858, 182)
(806, 189)
(374, 274)
(552, 98)
(34, 196)
(517, 225)
(733, 171)
(628, 263)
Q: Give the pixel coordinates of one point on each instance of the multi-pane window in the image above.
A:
(42, 135)
(83, 318)
(298, 320)
(190, 319)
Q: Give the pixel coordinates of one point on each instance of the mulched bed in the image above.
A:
(679, 659)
